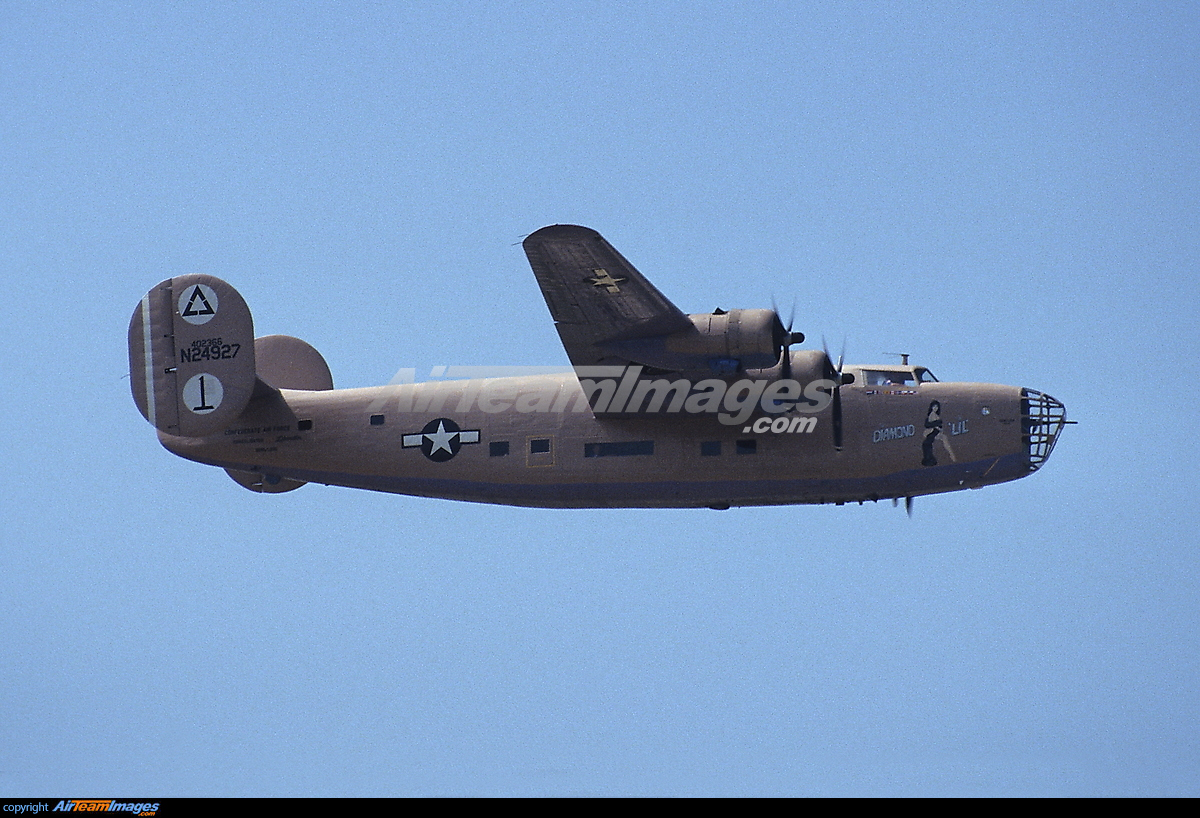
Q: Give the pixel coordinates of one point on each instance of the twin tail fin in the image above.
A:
(195, 364)
(191, 355)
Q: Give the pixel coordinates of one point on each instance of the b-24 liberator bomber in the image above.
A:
(662, 409)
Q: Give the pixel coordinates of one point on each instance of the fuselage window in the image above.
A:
(710, 448)
(303, 425)
(539, 445)
(498, 448)
(376, 420)
(622, 448)
(747, 446)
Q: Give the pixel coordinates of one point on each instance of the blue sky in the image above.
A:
(1007, 193)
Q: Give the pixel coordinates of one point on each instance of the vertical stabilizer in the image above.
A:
(191, 355)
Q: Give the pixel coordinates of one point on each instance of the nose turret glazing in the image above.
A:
(1042, 418)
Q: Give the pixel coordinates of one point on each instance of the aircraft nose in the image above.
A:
(1042, 418)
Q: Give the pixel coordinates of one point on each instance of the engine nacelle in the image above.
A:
(722, 343)
(810, 365)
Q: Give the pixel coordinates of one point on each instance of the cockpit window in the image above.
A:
(925, 376)
(875, 377)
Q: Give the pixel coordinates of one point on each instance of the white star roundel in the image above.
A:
(441, 439)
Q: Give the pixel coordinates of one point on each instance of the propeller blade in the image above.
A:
(836, 376)
(908, 504)
(837, 417)
(785, 338)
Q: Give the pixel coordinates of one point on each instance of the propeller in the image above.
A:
(784, 338)
(908, 504)
(834, 373)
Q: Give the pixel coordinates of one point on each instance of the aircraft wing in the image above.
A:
(595, 296)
